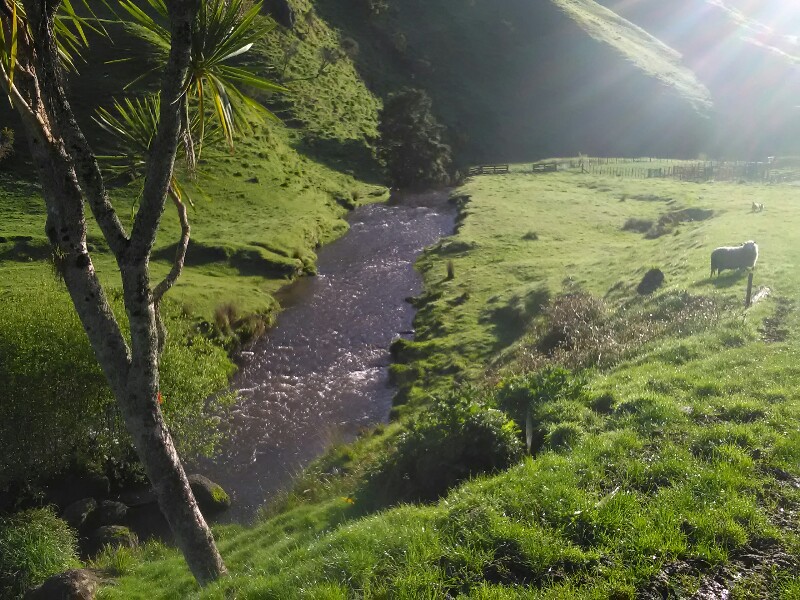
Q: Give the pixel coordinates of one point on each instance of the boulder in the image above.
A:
(115, 536)
(138, 497)
(81, 513)
(651, 281)
(112, 513)
(77, 584)
(211, 498)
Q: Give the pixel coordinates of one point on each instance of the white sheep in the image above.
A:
(757, 207)
(734, 257)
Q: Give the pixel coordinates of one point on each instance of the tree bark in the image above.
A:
(151, 437)
(69, 175)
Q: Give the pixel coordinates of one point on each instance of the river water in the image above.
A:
(320, 375)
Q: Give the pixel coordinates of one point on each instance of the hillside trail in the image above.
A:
(320, 376)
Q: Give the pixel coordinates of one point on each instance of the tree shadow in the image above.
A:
(354, 157)
(510, 320)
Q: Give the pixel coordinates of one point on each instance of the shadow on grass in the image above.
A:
(247, 259)
(511, 319)
(353, 157)
(23, 248)
(728, 280)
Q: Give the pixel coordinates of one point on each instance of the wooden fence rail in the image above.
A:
(488, 170)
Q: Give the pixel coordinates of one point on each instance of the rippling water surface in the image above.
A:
(321, 374)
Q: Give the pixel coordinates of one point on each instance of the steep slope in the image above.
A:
(746, 53)
(519, 79)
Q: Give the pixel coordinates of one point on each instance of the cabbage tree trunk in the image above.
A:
(71, 180)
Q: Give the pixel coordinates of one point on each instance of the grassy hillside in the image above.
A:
(524, 79)
(260, 214)
(666, 465)
(745, 54)
(671, 470)
(642, 49)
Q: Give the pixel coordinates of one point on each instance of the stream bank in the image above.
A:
(321, 374)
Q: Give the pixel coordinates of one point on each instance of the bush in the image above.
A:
(457, 439)
(56, 405)
(6, 142)
(528, 393)
(411, 141)
(638, 225)
(34, 545)
(580, 331)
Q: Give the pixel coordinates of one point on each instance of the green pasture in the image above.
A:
(577, 222)
(675, 464)
(259, 214)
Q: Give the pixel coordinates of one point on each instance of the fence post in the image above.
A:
(748, 299)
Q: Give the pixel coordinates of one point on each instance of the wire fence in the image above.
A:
(652, 168)
(772, 170)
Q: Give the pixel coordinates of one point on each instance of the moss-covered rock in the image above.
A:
(211, 498)
(115, 536)
(80, 513)
(75, 584)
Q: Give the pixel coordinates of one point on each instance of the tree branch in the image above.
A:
(180, 254)
(177, 267)
(29, 117)
(49, 71)
(161, 160)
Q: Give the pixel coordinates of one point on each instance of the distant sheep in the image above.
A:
(757, 207)
(734, 257)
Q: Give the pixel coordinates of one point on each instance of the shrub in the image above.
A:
(411, 141)
(523, 393)
(56, 406)
(551, 404)
(638, 225)
(34, 545)
(350, 47)
(6, 142)
(651, 281)
(564, 435)
(579, 331)
(458, 438)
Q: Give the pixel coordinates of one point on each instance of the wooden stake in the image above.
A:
(748, 299)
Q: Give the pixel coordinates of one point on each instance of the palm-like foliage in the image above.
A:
(132, 124)
(70, 30)
(224, 30)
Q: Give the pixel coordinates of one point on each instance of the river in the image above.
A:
(321, 374)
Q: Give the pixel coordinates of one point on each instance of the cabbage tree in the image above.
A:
(39, 44)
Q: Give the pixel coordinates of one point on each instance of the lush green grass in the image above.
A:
(260, 214)
(34, 545)
(675, 462)
(578, 222)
